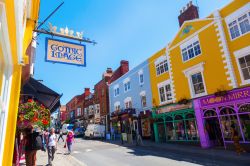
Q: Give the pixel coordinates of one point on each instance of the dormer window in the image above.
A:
(190, 49)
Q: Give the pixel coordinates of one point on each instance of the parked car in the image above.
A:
(95, 131)
(79, 131)
(67, 127)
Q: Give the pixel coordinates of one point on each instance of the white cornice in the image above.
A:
(193, 69)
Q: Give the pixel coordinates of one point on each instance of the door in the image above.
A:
(212, 127)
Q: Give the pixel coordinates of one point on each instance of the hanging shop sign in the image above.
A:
(59, 51)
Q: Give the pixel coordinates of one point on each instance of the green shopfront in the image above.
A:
(175, 123)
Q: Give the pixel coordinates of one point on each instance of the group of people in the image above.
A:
(34, 140)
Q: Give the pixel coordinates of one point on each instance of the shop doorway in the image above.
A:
(212, 126)
(161, 130)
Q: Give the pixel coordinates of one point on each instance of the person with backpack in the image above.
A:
(33, 142)
(51, 145)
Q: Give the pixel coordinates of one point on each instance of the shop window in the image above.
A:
(226, 111)
(210, 113)
(244, 108)
(168, 118)
(228, 118)
(245, 123)
(161, 130)
(145, 125)
(170, 131)
(191, 128)
(170, 128)
(179, 128)
(244, 116)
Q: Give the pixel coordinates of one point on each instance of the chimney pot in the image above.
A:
(187, 5)
(190, 3)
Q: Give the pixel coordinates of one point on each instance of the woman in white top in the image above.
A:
(51, 146)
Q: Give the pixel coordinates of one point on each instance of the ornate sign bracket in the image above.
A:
(64, 32)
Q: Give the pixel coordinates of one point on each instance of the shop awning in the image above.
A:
(44, 95)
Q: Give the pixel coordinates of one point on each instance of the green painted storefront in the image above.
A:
(178, 125)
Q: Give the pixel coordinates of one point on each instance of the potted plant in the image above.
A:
(220, 92)
(183, 101)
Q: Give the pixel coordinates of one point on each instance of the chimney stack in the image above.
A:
(87, 91)
(189, 13)
(124, 66)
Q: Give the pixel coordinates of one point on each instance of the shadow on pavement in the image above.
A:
(187, 153)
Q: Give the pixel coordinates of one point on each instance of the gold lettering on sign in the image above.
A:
(246, 93)
(240, 95)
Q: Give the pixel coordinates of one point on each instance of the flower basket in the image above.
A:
(33, 114)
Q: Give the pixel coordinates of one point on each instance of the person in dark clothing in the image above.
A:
(31, 146)
(60, 136)
(235, 138)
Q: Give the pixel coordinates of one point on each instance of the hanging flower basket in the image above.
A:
(33, 114)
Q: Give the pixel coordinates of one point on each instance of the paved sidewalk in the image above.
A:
(61, 158)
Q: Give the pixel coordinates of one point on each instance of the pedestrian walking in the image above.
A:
(138, 138)
(69, 141)
(60, 136)
(52, 145)
(236, 139)
(33, 142)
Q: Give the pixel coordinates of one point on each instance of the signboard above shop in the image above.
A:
(59, 51)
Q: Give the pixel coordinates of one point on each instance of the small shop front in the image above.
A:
(176, 123)
(122, 124)
(216, 114)
(145, 125)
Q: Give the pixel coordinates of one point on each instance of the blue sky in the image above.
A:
(124, 29)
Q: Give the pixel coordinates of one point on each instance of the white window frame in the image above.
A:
(199, 68)
(239, 54)
(163, 84)
(140, 73)
(116, 87)
(79, 111)
(116, 105)
(143, 93)
(234, 16)
(126, 100)
(125, 83)
(188, 43)
(160, 60)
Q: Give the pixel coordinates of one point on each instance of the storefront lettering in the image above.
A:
(174, 108)
(237, 95)
(65, 52)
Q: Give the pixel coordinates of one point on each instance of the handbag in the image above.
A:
(64, 146)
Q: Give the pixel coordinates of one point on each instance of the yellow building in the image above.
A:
(209, 64)
(17, 21)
